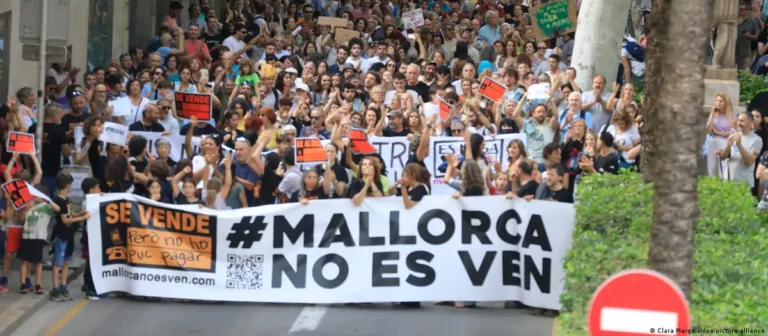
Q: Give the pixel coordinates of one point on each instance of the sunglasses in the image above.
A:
(457, 130)
(314, 118)
(241, 139)
(541, 48)
(165, 107)
(290, 133)
(76, 93)
(159, 73)
(244, 32)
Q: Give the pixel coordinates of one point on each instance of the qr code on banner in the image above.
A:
(245, 271)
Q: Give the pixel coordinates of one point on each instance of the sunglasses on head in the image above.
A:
(76, 93)
(242, 139)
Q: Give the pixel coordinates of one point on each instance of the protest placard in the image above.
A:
(413, 19)
(114, 133)
(344, 35)
(553, 17)
(538, 91)
(121, 107)
(332, 21)
(19, 142)
(359, 141)
(21, 193)
(198, 105)
(309, 150)
(492, 89)
(445, 109)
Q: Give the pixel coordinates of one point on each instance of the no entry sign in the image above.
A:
(638, 302)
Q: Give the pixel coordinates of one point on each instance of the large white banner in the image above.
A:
(330, 251)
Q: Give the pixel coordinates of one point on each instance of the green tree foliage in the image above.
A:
(613, 224)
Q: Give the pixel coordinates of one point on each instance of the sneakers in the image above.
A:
(28, 283)
(65, 294)
(24, 289)
(91, 295)
(39, 290)
(4, 281)
(56, 295)
(4, 289)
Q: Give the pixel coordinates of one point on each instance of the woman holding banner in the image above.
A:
(310, 189)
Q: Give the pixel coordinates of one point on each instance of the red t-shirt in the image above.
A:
(191, 48)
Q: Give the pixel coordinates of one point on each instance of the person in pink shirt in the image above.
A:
(194, 47)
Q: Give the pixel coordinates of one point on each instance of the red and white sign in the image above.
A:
(638, 302)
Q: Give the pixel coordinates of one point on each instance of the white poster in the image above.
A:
(77, 184)
(330, 251)
(395, 152)
(114, 133)
(413, 19)
(121, 107)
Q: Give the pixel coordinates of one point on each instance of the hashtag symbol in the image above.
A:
(247, 232)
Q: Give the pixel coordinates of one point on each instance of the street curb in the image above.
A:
(11, 328)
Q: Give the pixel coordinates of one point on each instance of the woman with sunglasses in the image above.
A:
(149, 90)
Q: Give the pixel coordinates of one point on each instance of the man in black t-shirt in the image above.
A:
(412, 83)
(396, 126)
(528, 185)
(76, 117)
(605, 161)
(553, 189)
(54, 144)
(148, 122)
(201, 128)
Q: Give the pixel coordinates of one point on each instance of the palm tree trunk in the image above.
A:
(674, 125)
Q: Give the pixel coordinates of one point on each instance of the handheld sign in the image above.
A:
(332, 21)
(558, 16)
(538, 91)
(413, 19)
(309, 150)
(21, 193)
(114, 133)
(445, 109)
(344, 35)
(19, 142)
(492, 90)
(359, 141)
(198, 105)
(638, 302)
(120, 107)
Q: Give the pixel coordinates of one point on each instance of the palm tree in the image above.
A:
(674, 125)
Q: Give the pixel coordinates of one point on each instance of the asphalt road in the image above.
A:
(122, 317)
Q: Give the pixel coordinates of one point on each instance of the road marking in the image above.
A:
(18, 309)
(309, 318)
(554, 327)
(636, 320)
(66, 318)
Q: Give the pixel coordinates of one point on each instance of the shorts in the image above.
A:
(31, 250)
(60, 252)
(14, 239)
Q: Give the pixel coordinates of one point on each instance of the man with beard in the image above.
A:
(553, 189)
(355, 50)
(443, 76)
(538, 130)
(341, 58)
(370, 80)
(194, 47)
(396, 127)
(76, 117)
(430, 74)
(148, 122)
(380, 57)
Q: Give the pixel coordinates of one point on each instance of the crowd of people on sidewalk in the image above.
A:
(275, 74)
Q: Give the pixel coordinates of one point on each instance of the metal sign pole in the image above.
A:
(41, 85)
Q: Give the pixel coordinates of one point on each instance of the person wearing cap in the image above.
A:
(443, 76)
(349, 71)
(396, 125)
(605, 160)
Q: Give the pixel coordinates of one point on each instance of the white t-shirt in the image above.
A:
(370, 62)
(198, 164)
(60, 77)
(136, 111)
(624, 139)
(431, 109)
(390, 94)
(357, 63)
(482, 130)
(234, 45)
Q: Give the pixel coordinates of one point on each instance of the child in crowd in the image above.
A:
(33, 239)
(247, 73)
(63, 235)
(188, 195)
(91, 187)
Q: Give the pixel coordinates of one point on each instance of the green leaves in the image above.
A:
(750, 85)
(613, 224)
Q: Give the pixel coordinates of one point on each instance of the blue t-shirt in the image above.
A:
(164, 51)
(244, 171)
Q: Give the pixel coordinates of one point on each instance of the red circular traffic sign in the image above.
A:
(638, 302)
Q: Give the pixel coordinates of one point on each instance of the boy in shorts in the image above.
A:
(33, 239)
(63, 233)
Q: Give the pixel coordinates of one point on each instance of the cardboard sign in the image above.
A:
(114, 133)
(309, 150)
(332, 21)
(21, 193)
(445, 109)
(492, 90)
(344, 35)
(121, 107)
(19, 142)
(359, 141)
(413, 19)
(549, 18)
(198, 105)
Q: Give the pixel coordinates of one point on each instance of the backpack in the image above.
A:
(635, 50)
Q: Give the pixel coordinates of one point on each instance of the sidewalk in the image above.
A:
(15, 307)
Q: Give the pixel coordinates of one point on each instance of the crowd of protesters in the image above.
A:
(272, 82)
